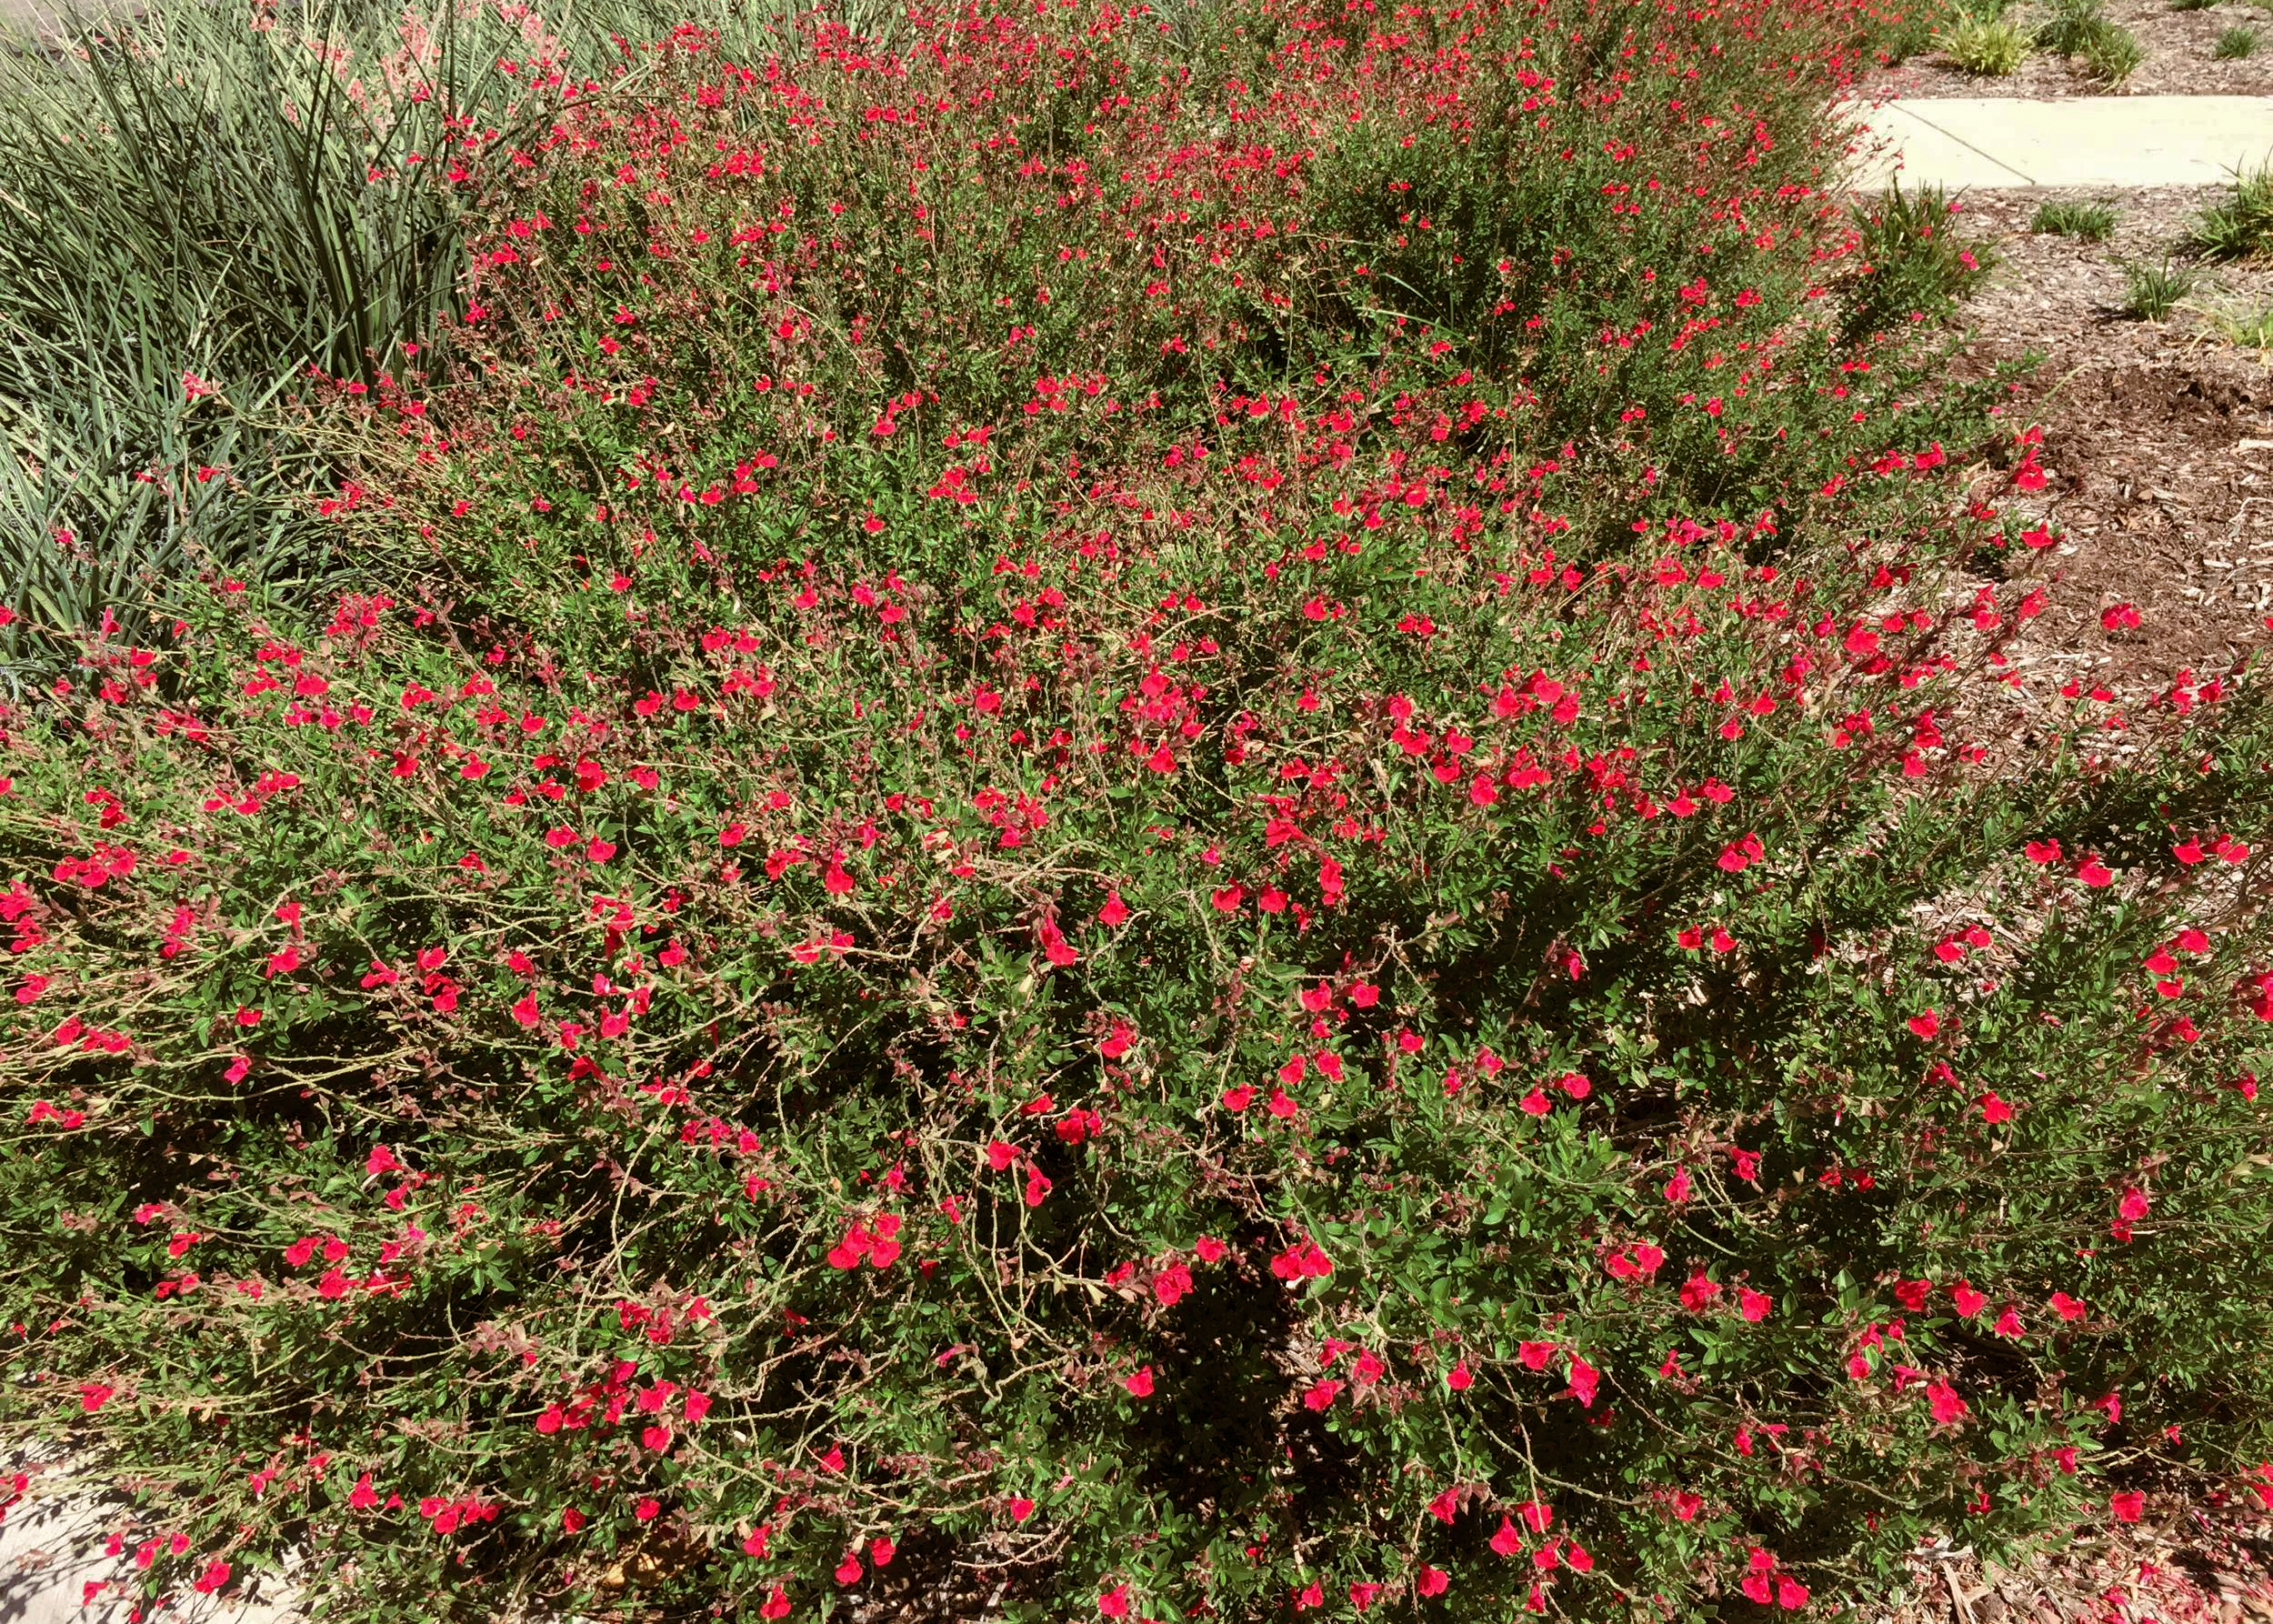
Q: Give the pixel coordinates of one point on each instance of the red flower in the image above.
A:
(1507, 1542)
(848, 1252)
(1740, 855)
(1139, 1385)
(1302, 1262)
(2127, 1506)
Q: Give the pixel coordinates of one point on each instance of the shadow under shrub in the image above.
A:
(1388, 928)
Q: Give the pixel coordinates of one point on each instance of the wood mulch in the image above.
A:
(2201, 1565)
(2159, 435)
(2177, 62)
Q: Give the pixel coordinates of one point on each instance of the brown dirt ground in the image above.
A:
(2178, 60)
(2205, 1565)
(2159, 440)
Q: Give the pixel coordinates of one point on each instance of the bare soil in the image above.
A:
(2159, 435)
(2205, 1565)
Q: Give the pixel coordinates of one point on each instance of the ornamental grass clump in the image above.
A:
(2241, 225)
(1915, 261)
(1144, 821)
(202, 201)
(2111, 54)
(1989, 46)
(230, 194)
(2069, 216)
(2151, 291)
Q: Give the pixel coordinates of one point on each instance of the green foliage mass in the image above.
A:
(1128, 814)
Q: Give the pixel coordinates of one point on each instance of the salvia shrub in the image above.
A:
(1209, 817)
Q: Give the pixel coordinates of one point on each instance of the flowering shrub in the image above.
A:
(1176, 823)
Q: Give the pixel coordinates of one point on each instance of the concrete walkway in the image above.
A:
(53, 1571)
(43, 19)
(1958, 142)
